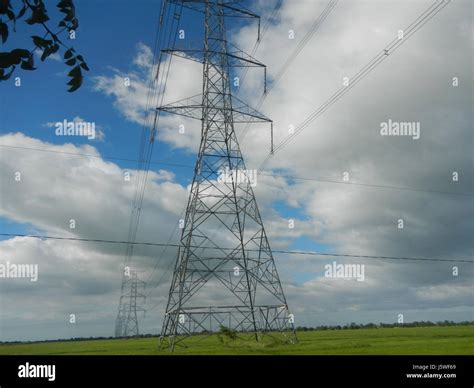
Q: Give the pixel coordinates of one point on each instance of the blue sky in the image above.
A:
(106, 41)
(113, 45)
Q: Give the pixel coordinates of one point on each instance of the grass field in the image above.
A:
(445, 340)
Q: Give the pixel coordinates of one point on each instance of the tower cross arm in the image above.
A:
(236, 58)
(229, 10)
(189, 107)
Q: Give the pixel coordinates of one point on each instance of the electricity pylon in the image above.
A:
(225, 274)
(127, 319)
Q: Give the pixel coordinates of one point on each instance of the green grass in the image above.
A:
(441, 340)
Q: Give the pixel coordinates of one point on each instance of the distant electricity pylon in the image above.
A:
(127, 319)
(238, 288)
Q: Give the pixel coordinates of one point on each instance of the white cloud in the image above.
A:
(90, 190)
(55, 57)
(130, 90)
(144, 57)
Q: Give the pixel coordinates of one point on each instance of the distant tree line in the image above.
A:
(349, 326)
(353, 325)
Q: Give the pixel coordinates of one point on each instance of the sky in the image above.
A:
(116, 38)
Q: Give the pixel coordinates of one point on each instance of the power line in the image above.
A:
(155, 267)
(426, 16)
(262, 172)
(95, 156)
(302, 44)
(156, 89)
(308, 253)
(170, 266)
(293, 55)
(389, 187)
(262, 33)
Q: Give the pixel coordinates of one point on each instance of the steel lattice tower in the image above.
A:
(225, 273)
(127, 319)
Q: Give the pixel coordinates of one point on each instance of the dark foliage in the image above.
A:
(34, 12)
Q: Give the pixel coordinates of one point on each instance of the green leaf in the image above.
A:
(49, 50)
(64, 3)
(5, 60)
(38, 16)
(21, 13)
(11, 15)
(71, 62)
(75, 84)
(40, 42)
(17, 55)
(68, 54)
(46, 54)
(75, 72)
(3, 32)
(29, 64)
(84, 66)
(3, 76)
(21, 52)
(54, 48)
